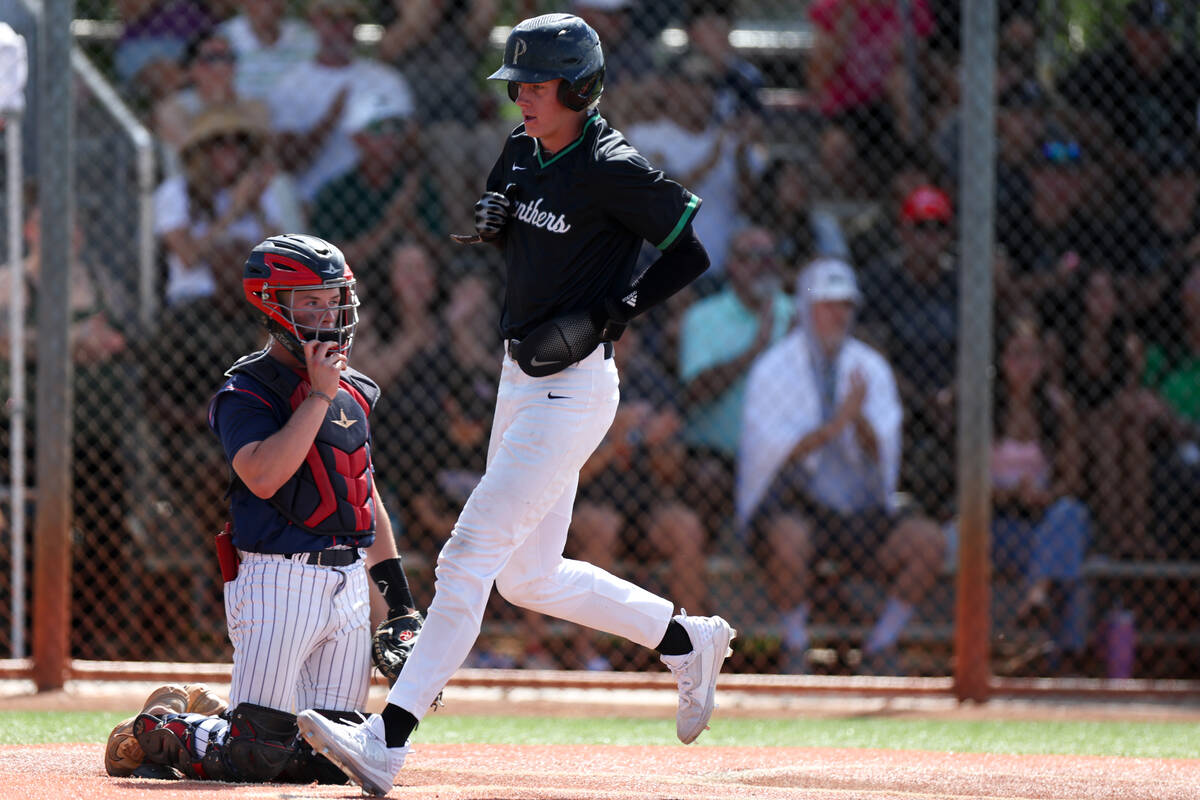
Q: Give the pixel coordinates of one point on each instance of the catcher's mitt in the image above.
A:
(393, 643)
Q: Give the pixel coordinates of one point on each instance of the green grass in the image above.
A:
(1144, 740)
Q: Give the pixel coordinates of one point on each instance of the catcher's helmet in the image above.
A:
(291, 262)
(551, 46)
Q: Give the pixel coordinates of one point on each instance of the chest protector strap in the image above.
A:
(330, 494)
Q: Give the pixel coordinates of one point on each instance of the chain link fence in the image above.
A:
(784, 450)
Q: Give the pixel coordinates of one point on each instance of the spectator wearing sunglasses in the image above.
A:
(1047, 246)
(910, 309)
(210, 62)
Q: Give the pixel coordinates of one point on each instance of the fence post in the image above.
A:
(52, 542)
(972, 632)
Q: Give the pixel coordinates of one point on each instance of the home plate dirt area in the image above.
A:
(562, 772)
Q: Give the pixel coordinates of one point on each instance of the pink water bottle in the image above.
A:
(1120, 643)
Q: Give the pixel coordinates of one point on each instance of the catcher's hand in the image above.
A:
(393, 643)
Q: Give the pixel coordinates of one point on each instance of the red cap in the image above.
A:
(927, 203)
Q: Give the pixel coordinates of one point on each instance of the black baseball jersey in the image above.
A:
(578, 219)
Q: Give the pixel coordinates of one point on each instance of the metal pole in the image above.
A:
(52, 543)
(16, 339)
(972, 632)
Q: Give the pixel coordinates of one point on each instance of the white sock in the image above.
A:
(895, 616)
(795, 628)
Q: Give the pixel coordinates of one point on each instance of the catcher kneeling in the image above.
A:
(190, 732)
(309, 535)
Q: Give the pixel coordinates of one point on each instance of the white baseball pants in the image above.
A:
(301, 634)
(513, 529)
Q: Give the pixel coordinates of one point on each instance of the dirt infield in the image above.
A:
(511, 772)
(562, 772)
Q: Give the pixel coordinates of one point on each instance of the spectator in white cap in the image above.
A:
(818, 466)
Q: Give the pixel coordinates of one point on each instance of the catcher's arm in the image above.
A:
(396, 636)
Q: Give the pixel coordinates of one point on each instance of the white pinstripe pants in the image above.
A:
(301, 634)
(513, 528)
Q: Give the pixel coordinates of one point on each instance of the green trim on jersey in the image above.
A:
(537, 144)
(686, 216)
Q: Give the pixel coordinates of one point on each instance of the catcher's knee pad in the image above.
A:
(261, 742)
(307, 766)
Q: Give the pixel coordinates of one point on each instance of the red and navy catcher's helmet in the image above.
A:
(284, 264)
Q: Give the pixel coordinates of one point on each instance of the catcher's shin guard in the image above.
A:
(170, 741)
(261, 742)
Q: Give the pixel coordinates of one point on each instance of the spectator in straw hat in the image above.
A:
(210, 62)
(229, 195)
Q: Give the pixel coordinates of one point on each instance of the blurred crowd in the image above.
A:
(794, 407)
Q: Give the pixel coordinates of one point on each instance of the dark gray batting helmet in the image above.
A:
(552, 46)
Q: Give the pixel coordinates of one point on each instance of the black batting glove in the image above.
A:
(610, 318)
(491, 215)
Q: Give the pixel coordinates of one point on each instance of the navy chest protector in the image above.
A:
(330, 495)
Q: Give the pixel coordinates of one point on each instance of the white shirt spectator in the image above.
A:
(305, 94)
(677, 152)
(783, 404)
(261, 67)
(278, 212)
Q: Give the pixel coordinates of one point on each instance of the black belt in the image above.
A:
(511, 346)
(330, 558)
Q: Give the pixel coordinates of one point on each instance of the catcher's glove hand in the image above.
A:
(393, 643)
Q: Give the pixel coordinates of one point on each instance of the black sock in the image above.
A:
(398, 725)
(675, 641)
(393, 585)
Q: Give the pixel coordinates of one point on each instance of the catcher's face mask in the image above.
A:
(304, 290)
(323, 313)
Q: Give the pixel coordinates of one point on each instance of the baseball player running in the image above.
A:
(294, 422)
(569, 203)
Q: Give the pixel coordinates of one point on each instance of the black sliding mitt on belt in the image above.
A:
(557, 344)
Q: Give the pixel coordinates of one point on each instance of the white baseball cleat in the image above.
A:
(696, 672)
(360, 751)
